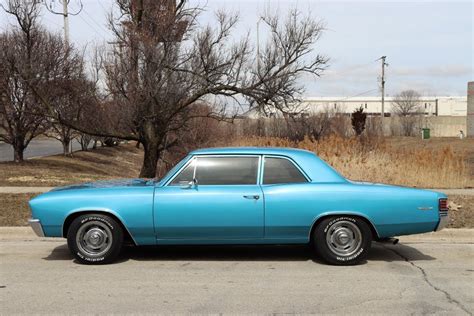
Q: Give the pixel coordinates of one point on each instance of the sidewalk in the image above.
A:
(19, 190)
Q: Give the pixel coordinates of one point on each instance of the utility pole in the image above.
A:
(66, 22)
(65, 13)
(258, 44)
(383, 93)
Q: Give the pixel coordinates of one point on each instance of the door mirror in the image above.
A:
(188, 184)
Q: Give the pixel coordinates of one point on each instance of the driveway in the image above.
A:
(430, 273)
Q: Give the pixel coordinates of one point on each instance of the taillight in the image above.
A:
(443, 207)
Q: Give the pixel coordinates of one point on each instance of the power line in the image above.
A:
(356, 95)
(90, 26)
(354, 68)
(94, 21)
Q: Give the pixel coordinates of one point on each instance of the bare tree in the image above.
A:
(84, 140)
(68, 103)
(22, 51)
(38, 68)
(407, 106)
(164, 63)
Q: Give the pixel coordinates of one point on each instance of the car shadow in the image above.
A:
(378, 252)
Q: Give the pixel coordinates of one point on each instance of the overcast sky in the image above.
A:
(428, 44)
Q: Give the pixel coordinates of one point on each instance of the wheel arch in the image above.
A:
(75, 214)
(363, 217)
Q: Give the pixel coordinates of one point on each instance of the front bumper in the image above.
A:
(36, 226)
(443, 221)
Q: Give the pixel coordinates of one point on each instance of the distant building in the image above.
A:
(431, 106)
(470, 109)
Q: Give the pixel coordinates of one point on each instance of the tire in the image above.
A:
(342, 240)
(95, 238)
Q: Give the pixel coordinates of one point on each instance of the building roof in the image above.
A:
(375, 99)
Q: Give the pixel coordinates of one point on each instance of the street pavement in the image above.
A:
(37, 148)
(424, 274)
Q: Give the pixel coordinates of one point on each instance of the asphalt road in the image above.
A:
(37, 148)
(432, 273)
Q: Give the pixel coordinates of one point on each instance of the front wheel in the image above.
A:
(95, 238)
(342, 240)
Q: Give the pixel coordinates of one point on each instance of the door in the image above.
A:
(289, 200)
(211, 198)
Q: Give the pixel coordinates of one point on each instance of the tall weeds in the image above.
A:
(374, 160)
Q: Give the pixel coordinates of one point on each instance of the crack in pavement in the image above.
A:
(448, 296)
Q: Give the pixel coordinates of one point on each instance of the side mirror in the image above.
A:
(188, 184)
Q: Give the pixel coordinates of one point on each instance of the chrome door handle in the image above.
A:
(255, 197)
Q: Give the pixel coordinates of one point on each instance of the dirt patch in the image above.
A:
(461, 211)
(123, 161)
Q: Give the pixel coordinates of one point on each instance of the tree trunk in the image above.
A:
(151, 141)
(18, 153)
(66, 150)
(18, 149)
(150, 159)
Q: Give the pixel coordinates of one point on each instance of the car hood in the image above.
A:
(107, 184)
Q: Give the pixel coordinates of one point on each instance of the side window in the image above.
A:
(186, 175)
(226, 170)
(280, 170)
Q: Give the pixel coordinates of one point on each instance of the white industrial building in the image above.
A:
(436, 106)
(431, 106)
(445, 116)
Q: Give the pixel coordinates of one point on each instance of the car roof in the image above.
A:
(314, 167)
(250, 151)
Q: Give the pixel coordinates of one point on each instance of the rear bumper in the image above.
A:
(443, 221)
(36, 226)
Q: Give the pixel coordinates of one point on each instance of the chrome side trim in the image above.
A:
(36, 226)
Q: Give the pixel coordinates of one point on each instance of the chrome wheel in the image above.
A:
(94, 238)
(344, 238)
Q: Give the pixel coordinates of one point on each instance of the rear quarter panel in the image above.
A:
(291, 210)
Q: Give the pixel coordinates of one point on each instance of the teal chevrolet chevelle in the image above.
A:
(237, 196)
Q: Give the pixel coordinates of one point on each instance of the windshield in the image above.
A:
(173, 170)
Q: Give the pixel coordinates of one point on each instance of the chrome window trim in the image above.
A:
(195, 157)
(308, 180)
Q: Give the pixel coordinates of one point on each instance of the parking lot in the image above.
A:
(432, 273)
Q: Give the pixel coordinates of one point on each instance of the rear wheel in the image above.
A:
(342, 240)
(95, 238)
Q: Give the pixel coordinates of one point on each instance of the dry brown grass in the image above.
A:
(14, 210)
(123, 161)
(376, 160)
